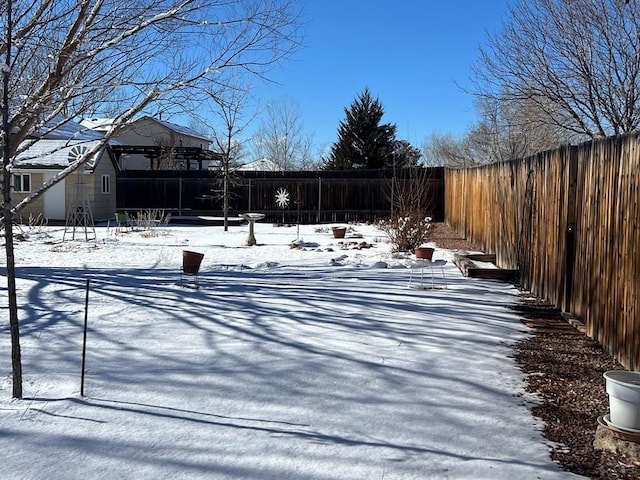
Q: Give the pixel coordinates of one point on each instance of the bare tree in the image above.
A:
(64, 58)
(445, 150)
(577, 63)
(281, 137)
(231, 109)
(508, 130)
(505, 130)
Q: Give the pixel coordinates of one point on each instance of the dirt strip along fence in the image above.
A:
(314, 196)
(568, 220)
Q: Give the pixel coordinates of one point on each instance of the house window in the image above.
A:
(106, 184)
(22, 182)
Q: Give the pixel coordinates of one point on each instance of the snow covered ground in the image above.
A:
(311, 363)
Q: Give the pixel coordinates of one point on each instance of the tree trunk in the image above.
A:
(11, 266)
(225, 193)
(16, 360)
(7, 219)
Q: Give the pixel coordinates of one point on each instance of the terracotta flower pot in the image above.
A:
(191, 262)
(424, 252)
(339, 232)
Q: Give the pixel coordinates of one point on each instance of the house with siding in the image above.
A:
(43, 156)
(153, 144)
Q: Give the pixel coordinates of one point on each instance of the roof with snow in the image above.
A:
(262, 164)
(98, 124)
(58, 154)
(59, 128)
(59, 143)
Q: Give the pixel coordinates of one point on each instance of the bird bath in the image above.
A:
(251, 218)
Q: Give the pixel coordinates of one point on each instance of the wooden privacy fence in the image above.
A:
(314, 197)
(568, 220)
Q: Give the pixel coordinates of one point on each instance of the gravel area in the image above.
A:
(564, 368)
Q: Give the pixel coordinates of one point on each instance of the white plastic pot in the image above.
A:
(623, 389)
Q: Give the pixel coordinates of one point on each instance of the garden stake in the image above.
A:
(84, 338)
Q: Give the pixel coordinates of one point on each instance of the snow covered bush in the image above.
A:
(406, 231)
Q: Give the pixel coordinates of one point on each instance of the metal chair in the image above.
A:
(423, 263)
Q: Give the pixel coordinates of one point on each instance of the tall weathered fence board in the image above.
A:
(314, 197)
(568, 220)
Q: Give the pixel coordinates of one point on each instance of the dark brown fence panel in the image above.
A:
(314, 197)
(568, 220)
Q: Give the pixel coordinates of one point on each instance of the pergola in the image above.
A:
(154, 153)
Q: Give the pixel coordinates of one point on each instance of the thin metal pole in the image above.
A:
(84, 338)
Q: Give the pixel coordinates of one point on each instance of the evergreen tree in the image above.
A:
(362, 141)
(406, 155)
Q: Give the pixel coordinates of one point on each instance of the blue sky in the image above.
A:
(414, 55)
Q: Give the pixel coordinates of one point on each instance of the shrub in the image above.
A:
(406, 231)
(151, 218)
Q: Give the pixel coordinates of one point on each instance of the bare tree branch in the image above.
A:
(578, 62)
(172, 45)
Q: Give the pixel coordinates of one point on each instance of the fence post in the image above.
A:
(180, 196)
(319, 199)
(570, 236)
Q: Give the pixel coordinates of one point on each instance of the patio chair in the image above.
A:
(122, 221)
(190, 268)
